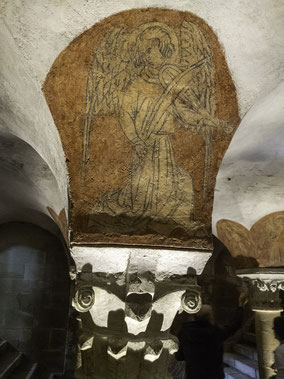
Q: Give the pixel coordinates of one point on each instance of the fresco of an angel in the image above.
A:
(149, 78)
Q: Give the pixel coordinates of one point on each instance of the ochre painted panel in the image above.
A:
(261, 246)
(145, 107)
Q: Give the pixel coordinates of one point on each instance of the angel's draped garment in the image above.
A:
(156, 186)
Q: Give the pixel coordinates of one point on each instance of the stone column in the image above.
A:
(264, 286)
(266, 342)
(127, 299)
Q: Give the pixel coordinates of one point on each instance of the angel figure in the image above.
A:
(148, 78)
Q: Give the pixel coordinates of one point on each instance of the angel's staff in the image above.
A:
(210, 122)
(87, 124)
(167, 99)
(202, 96)
(161, 107)
(85, 145)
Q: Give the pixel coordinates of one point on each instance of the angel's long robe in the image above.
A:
(156, 187)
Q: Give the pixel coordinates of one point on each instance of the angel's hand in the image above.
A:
(207, 128)
(140, 148)
(214, 123)
(223, 125)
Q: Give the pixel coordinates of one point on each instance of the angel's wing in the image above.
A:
(201, 91)
(110, 73)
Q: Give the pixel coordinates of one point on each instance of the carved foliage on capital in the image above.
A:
(268, 285)
(262, 245)
(264, 293)
(117, 347)
(126, 310)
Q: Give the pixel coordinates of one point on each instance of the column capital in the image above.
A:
(127, 299)
(264, 285)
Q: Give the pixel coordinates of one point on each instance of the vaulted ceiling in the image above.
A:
(33, 169)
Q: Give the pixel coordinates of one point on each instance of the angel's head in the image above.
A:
(154, 47)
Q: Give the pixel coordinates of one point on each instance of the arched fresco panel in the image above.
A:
(145, 107)
(261, 246)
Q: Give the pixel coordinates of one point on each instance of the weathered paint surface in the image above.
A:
(145, 107)
(262, 245)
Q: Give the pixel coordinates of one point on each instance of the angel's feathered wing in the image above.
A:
(194, 47)
(110, 73)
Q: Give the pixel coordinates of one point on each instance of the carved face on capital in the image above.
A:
(143, 289)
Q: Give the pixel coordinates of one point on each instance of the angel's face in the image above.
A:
(152, 54)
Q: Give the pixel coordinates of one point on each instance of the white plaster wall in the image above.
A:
(25, 114)
(27, 185)
(251, 33)
(250, 182)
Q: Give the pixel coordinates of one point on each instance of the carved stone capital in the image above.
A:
(268, 285)
(264, 286)
(128, 299)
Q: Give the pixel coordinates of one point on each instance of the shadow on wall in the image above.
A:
(34, 293)
(220, 288)
(220, 285)
(226, 286)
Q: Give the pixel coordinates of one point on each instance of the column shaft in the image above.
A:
(266, 342)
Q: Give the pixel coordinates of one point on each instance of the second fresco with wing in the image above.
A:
(155, 83)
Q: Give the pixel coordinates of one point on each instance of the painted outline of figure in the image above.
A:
(148, 78)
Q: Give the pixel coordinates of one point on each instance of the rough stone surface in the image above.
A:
(115, 260)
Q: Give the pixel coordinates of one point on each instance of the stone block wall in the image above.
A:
(34, 293)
